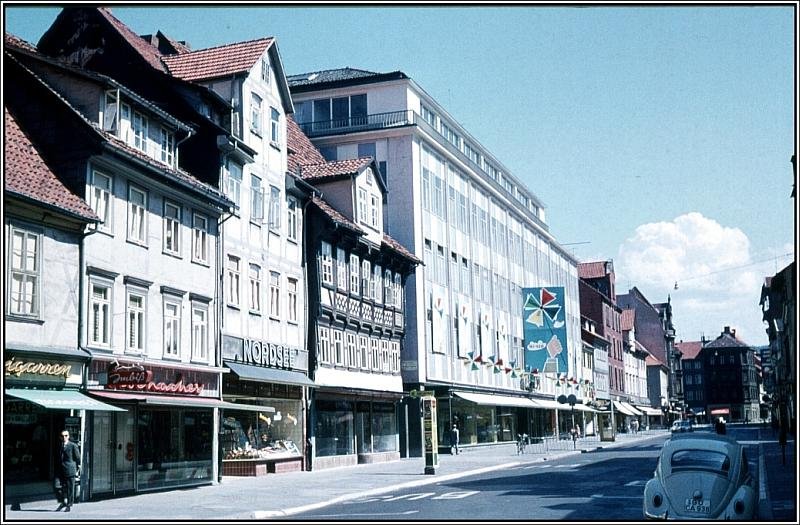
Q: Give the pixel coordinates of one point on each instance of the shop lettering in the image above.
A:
(268, 354)
(17, 368)
(137, 378)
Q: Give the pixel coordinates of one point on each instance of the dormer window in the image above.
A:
(167, 146)
(111, 111)
(370, 177)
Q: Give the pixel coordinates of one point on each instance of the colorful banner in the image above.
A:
(544, 329)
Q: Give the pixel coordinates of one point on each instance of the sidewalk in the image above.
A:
(283, 495)
(781, 480)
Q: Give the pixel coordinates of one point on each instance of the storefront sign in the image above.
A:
(136, 377)
(262, 353)
(16, 367)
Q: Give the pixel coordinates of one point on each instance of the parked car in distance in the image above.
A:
(701, 476)
(682, 425)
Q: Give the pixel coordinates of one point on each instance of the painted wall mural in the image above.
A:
(544, 329)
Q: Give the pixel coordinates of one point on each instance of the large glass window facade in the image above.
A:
(334, 429)
(174, 445)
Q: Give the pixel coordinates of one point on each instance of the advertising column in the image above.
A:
(430, 434)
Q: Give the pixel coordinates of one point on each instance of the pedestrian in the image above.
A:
(454, 439)
(67, 469)
(719, 426)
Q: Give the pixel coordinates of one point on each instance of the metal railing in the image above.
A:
(390, 119)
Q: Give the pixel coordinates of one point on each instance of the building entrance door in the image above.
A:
(113, 452)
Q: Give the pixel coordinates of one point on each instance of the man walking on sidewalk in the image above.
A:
(454, 438)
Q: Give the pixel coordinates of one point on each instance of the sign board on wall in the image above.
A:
(262, 353)
(544, 329)
(44, 370)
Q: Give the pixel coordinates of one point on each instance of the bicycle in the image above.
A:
(522, 442)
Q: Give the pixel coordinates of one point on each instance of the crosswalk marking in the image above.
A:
(457, 495)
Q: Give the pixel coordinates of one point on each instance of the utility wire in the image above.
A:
(774, 258)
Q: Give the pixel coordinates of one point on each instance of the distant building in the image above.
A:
(731, 382)
(694, 385)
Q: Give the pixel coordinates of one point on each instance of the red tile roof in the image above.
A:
(301, 150)
(651, 360)
(334, 215)
(399, 248)
(334, 168)
(215, 62)
(26, 173)
(689, 349)
(592, 270)
(145, 49)
(15, 41)
(626, 320)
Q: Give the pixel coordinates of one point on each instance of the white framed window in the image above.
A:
(395, 349)
(275, 295)
(233, 186)
(352, 350)
(255, 114)
(291, 299)
(366, 278)
(373, 211)
(199, 332)
(274, 208)
(376, 288)
(275, 126)
(375, 361)
(24, 269)
(256, 199)
(388, 291)
(341, 269)
(234, 280)
(172, 228)
(135, 305)
(265, 70)
(100, 314)
(137, 215)
(338, 346)
(139, 131)
(255, 288)
(102, 199)
(398, 291)
(363, 352)
(362, 205)
(199, 238)
(167, 147)
(354, 267)
(111, 112)
(324, 345)
(291, 219)
(386, 362)
(326, 263)
(172, 327)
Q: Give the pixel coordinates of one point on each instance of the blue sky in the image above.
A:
(657, 136)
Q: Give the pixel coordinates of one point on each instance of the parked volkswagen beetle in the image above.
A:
(701, 476)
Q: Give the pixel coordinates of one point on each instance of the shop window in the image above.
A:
(334, 428)
(263, 435)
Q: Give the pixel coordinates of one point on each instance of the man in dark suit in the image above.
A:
(67, 467)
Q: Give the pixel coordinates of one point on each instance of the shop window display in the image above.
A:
(263, 435)
(334, 429)
(27, 442)
(175, 446)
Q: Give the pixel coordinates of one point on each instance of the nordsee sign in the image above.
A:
(262, 353)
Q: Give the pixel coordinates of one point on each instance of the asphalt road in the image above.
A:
(593, 486)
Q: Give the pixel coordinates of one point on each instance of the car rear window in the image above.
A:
(693, 459)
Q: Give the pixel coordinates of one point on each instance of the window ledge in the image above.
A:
(255, 312)
(233, 306)
(24, 319)
(137, 243)
(176, 255)
(275, 145)
(202, 263)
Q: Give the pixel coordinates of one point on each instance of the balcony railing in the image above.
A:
(391, 119)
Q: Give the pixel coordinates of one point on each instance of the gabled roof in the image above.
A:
(652, 360)
(333, 169)
(215, 62)
(301, 149)
(145, 49)
(399, 248)
(334, 215)
(627, 319)
(689, 349)
(26, 174)
(592, 270)
(15, 41)
(726, 340)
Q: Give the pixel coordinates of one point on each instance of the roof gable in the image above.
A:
(689, 349)
(25, 173)
(628, 319)
(219, 61)
(143, 48)
(592, 270)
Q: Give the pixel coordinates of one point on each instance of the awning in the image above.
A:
(631, 408)
(719, 411)
(61, 399)
(550, 404)
(650, 411)
(622, 409)
(584, 408)
(182, 401)
(493, 399)
(269, 375)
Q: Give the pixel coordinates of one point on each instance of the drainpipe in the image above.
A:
(81, 345)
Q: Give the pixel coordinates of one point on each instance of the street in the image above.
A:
(602, 485)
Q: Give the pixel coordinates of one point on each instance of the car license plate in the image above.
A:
(700, 507)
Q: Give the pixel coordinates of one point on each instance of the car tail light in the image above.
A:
(738, 507)
(657, 501)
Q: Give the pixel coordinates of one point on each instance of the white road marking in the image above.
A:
(406, 512)
(457, 495)
(603, 496)
(411, 497)
(635, 483)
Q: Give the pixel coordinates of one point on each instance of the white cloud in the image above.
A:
(719, 283)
